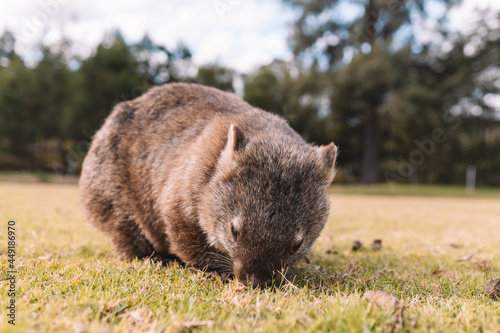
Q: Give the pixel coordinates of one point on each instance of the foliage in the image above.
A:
(216, 76)
(49, 112)
(361, 49)
(345, 73)
(295, 93)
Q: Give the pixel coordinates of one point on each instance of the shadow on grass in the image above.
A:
(405, 276)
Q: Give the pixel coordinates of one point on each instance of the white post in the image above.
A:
(470, 179)
(414, 179)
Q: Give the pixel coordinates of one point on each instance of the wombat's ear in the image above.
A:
(235, 143)
(235, 138)
(328, 156)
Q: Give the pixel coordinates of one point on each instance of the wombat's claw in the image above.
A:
(225, 277)
(167, 260)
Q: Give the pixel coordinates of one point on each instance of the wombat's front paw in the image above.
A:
(167, 260)
(224, 276)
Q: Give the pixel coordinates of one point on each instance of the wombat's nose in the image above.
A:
(252, 280)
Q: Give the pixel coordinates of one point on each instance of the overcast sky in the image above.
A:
(241, 34)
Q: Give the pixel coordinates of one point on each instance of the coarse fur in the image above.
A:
(196, 174)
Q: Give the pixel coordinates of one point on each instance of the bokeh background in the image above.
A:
(409, 90)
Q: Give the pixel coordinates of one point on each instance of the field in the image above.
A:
(439, 248)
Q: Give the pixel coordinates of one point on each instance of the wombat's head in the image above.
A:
(266, 204)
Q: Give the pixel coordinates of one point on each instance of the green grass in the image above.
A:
(424, 190)
(68, 279)
(37, 177)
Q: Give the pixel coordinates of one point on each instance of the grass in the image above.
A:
(421, 190)
(68, 279)
(36, 177)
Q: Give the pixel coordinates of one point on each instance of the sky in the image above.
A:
(241, 34)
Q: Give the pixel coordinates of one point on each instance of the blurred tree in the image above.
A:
(49, 109)
(445, 89)
(264, 89)
(31, 101)
(156, 64)
(49, 94)
(7, 44)
(118, 72)
(51, 88)
(478, 107)
(361, 92)
(15, 110)
(108, 74)
(366, 30)
(216, 76)
(297, 94)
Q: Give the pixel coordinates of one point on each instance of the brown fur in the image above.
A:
(182, 170)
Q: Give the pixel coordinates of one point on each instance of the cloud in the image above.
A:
(463, 16)
(238, 33)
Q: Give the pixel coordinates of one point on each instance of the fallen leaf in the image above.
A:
(137, 315)
(302, 317)
(440, 272)
(382, 299)
(197, 323)
(383, 271)
(467, 258)
(377, 245)
(331, 250)
(473, 258)
(188, 326)
(356, 245)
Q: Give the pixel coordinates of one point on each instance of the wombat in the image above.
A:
(195, 174)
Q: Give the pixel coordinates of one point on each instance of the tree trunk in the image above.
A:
(370, 168)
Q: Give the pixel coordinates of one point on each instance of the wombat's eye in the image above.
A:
(297, 246)
(234, 232)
